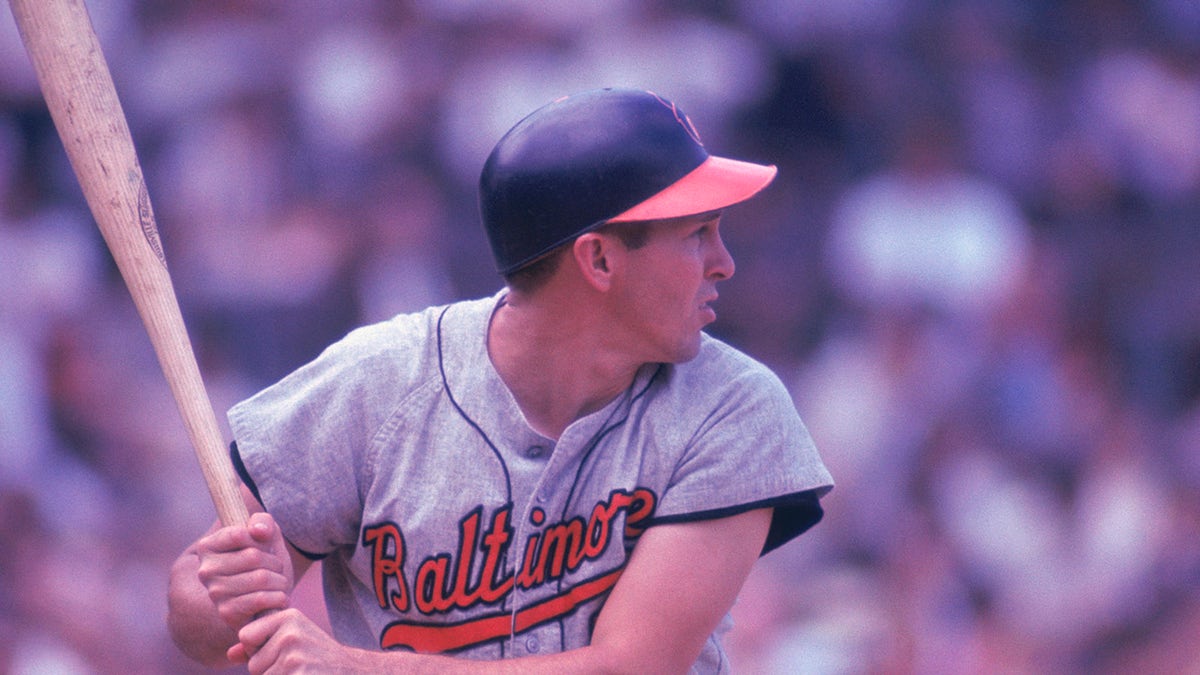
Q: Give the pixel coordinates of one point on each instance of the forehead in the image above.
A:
(635, 233)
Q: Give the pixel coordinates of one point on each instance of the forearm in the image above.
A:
(192, 618)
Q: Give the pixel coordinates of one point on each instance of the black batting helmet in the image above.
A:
(603, 156)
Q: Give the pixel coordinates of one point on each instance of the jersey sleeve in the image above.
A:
(751, 450)
(305, 443)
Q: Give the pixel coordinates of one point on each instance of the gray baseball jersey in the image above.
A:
(446, 524)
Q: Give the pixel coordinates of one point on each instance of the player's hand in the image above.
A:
(289, 642)
(246, 569)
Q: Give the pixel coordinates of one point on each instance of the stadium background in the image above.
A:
(976, 273)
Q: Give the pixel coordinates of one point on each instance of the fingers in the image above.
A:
(255, 634)
(237, 654)
(240, 597)
(289, 642)
(244, 571)
(219, 562)
(237, 611)
(259, 532)
(263, 642)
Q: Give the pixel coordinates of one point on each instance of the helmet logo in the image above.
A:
(680, 117)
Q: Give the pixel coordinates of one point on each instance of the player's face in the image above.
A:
(670, 284)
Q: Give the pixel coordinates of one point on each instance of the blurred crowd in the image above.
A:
(977, 273)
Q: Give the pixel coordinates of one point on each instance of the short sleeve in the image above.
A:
(751, 450)
(306, 441)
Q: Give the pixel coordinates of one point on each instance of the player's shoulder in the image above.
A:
(400, 342)
(719, 359)
(396, 352)
(719, 369)
(410, 335)
(402, 332)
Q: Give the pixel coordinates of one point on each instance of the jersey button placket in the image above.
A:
(539, 452)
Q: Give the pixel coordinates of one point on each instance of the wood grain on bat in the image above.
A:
(83, 103)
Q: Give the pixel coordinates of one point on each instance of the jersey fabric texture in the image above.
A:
(447, 524)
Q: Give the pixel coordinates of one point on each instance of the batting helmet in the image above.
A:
(604, 156)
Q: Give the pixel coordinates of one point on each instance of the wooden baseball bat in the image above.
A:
(79, 91)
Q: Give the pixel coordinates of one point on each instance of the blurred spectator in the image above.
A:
(923, 233)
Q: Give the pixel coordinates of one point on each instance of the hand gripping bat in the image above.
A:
(79, 91)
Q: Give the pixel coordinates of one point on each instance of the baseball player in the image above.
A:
(569, 475)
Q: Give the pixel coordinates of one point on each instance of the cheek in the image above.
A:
(685, 267)
(674, 288)
(671, 281)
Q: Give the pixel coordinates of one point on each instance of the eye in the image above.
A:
(709, 231)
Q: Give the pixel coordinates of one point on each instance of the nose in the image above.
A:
(720, 262)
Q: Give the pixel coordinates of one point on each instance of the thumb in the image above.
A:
(262, 527)
(237, 653)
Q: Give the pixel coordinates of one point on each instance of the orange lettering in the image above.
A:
(529, 577)
(431, 585)
(495, 541)
(597, 539)
(453, 580)
(643, 503)
(558, 542)
(382, 539)
(462, 595)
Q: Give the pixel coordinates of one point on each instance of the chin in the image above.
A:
(685, 352)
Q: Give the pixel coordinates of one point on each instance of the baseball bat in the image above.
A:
(83, 103)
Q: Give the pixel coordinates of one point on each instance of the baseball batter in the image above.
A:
(568, 475)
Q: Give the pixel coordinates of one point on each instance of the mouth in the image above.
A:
(707, 310)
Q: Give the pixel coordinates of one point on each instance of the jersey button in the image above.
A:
(535, 451)
(532, 645)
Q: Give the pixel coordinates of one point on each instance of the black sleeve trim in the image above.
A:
(240, 467)
(794, 515)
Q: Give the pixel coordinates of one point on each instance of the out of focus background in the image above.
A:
(978, 273)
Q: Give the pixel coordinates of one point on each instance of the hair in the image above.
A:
(534, 275)
(632, 235)
(531, 277)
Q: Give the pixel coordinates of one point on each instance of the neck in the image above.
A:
(553, 361)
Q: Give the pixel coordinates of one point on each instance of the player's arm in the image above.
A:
(680, 581)
(226, 578)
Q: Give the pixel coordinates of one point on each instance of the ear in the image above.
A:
(594, 257)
